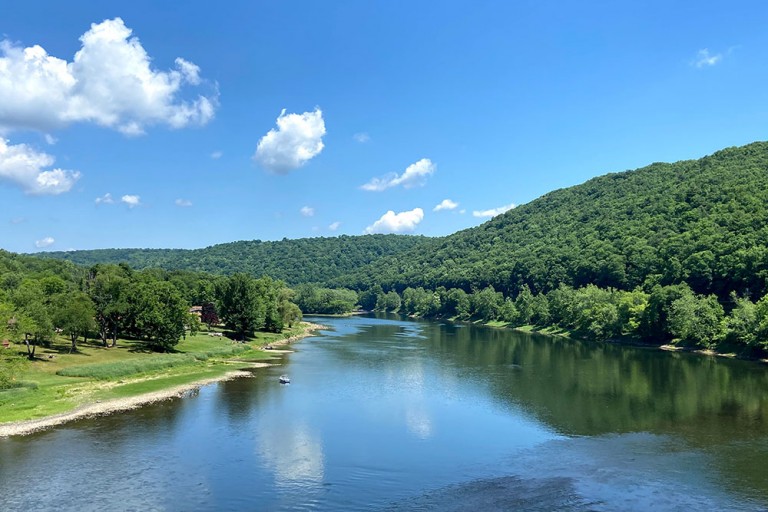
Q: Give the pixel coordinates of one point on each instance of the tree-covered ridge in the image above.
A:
(304, 260)
(703, 222)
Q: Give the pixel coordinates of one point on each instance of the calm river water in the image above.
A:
(387, 414)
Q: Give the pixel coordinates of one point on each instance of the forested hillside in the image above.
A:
(702, 222)
(304, 260)
(667, 252)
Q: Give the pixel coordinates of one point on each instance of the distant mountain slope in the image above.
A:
(702, 221)
(15, 267)
(294, 261)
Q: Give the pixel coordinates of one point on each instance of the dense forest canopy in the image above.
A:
(305, 260)
(703, 222)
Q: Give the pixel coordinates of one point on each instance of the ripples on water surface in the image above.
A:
(406, 415)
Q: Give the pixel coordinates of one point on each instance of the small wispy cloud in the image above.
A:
(445, 204)
(307, 211)
(414, 175)
(50, 139)
(131, 200)
(334, 226)
(362, 137)
(216, 155)
(183, 202)
(704, 59)
(45, 242)
(18, 220)
(493, 211)
(105, 199)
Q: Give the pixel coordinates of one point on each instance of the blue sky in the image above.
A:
(194, 123)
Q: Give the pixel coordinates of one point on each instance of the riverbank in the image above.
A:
(632, 342)
(48, 399)
(100, 408)
(310, 329)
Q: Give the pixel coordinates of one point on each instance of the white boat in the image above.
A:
(284, 379)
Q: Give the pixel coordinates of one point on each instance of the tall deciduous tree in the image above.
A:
(158, 313)
(107, 288)
(242, 309)
(74, 315)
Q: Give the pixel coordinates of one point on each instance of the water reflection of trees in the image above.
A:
(583, 388)
(587, 389)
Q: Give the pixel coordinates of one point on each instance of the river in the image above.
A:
(392, 414)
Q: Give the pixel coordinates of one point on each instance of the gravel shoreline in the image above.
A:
(26, 427)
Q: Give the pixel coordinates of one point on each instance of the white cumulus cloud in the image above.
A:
(392, 222)
(493, 211)
(334, 226)
(183, 202)
(415, 175)
(131, 200)
(108, 82)
(307, 211)
(297, 139)
(22, 165)
(45, 242)
(105, 199)
(445, 204)
(705, 59)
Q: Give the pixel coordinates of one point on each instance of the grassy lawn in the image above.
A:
(58, 382)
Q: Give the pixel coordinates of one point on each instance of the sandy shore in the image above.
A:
(20, 428)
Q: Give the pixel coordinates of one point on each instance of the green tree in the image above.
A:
(742, 324)
(595, 313)
(457, 304)
(370, 297)
(761, 319)
(158, 313)
(487, 303)
(524, 303)
(11, 364)
(390, 302)
(697, 319)
(242, 309)
(74, 315)
(631, 307)
(654, 322)
(290, 313)
(107, 286)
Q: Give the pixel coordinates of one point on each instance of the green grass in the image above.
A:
(57, 382)
(104, 371)
(166, 381)
(143, 365)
